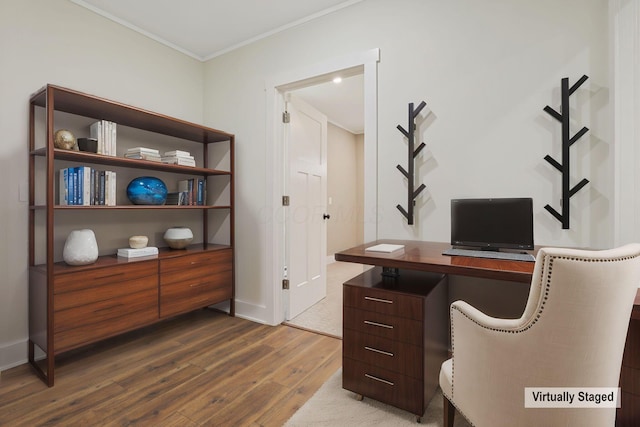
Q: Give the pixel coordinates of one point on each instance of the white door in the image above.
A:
(306, 230)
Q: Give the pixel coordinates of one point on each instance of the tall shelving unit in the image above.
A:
(72, 306)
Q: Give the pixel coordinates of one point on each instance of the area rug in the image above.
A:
(331, 405)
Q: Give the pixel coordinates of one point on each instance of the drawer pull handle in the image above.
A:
(195, 285)
(386, 301)
(111, 276)
(378, 379)
(375, 350)
(111, 307)
(382, 325)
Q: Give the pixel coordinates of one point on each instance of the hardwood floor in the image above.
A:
(201, 369)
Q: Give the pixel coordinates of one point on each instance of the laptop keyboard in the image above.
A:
(511, 256)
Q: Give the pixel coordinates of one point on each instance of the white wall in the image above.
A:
(56, 41)
(343, 155)
(485, 68)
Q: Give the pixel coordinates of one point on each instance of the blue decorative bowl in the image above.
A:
(147, 190)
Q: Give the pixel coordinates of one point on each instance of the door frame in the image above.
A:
(276, 88)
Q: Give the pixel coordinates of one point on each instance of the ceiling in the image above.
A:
(204, 29)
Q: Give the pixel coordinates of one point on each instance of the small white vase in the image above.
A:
(80, 248)
(178, 237)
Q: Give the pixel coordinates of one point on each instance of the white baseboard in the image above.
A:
(255, 313)
(331, 259)
(13, 354)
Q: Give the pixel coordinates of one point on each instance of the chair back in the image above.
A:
(572, 333)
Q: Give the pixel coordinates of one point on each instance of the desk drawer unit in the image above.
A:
(394, 337)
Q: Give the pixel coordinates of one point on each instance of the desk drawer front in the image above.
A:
(395, 356)
(384, 325)
(382, 301)
(383, 385)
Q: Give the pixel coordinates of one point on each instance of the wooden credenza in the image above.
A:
(116, 295)
(395, 337)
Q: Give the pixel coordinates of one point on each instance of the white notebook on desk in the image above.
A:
(386, 248)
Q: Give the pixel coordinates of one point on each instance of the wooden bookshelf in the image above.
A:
(73, 306)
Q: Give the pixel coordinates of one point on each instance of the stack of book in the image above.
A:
(138, 252)
(104, 132)
(86, 186)
(176, 198)
(193, 191)
(143, 153)
(178, 157)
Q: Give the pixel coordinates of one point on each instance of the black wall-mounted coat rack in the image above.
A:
(567, 141)
(412, 153)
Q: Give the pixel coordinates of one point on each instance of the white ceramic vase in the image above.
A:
(178, 237)
(80, 248)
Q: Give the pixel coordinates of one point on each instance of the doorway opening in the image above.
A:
(365, 64)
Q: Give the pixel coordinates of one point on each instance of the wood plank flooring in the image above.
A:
(201, 369)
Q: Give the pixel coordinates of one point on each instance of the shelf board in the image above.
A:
(92, 158)
(161, 207)
(82, 104)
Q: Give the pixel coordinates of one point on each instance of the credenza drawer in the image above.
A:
(86, 279)
(83, 325)
(191, 282)
(383, 385)
(395, 356)
(92, 293)
(92, 314)
(384, 301)
(384, 325)
(194, 263)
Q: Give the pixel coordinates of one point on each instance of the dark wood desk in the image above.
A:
(427, 257)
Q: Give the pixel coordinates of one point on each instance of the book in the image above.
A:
(200, 192)
(73, 186)
(183, 187)
(175, 198)
(101, 182)
(138, 150)
(104, 132)
(134, 253)
(113, 138)
(178, 153)
(175, 160)
(110, 188)
(63, 187)
(143, 156)
(386, 248)
(95, 131)
(85, 173)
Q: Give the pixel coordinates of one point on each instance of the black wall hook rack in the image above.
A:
(567, 142)
(412, 153)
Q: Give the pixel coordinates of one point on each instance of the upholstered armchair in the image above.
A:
(571, 334)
